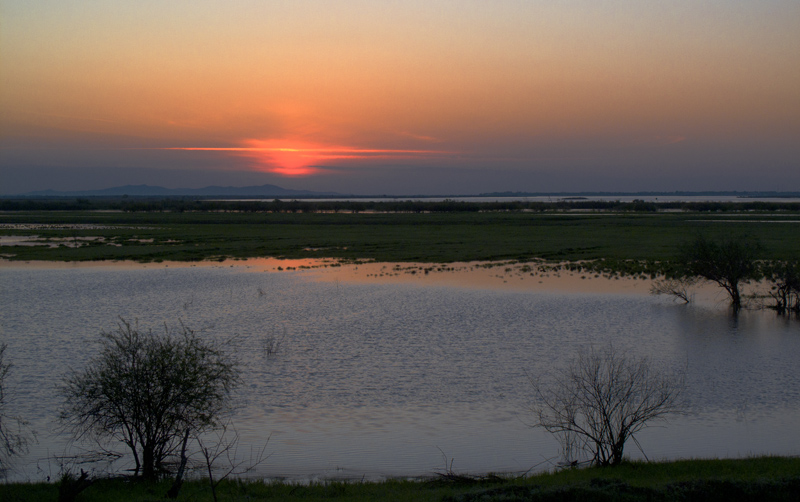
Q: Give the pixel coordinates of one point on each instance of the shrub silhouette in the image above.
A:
(146, 390)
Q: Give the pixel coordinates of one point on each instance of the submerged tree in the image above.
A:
(602, 400)
(785, 277)
(728, 263)
(678, 287)
(146, 390)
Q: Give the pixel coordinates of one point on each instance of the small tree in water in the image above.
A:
(785, 277)
(728, 263)
(602, 400)
(146, 390)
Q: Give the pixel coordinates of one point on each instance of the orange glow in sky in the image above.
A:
(360, 96)
(288, 158)
(296, 158)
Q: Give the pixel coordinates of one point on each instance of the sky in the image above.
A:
(401, 97)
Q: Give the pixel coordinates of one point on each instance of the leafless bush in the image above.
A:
(679, 288)
(224, 447)
(15, 434)
(785, 292)
(602, 399)
(271, 346)
(271, 343)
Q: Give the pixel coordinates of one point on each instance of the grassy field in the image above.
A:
(763, 478)
(390, 237)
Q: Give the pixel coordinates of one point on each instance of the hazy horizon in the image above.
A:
(371, 97)
(236, 191)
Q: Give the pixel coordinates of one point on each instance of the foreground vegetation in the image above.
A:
(763, 478)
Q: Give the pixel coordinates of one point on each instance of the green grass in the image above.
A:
(426, 237)
(762, 478)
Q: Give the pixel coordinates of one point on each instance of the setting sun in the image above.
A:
(287, 158)
(292, 158)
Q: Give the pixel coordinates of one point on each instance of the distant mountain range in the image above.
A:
(210, 191)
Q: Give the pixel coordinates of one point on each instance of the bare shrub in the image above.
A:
(785, 292)
(145, 390)
(15, 435)
(602, 399)
(679, 288)
(224, 448)
(271, 345)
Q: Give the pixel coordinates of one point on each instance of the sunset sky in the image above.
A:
(401, 97)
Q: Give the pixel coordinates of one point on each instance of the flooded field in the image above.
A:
(376, 370)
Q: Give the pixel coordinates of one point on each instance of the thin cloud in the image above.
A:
(321, 150)
(421, 137)
(298, 158)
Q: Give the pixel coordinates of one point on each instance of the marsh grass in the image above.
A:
(603, 242)
(705, 479)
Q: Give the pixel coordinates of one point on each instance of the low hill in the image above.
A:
(209, 191)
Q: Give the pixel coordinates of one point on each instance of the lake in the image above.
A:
(392, 373)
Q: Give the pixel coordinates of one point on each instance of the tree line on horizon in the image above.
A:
(187, 204)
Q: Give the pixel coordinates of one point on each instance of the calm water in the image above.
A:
(389, 379)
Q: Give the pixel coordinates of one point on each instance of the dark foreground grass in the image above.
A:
(763, 478)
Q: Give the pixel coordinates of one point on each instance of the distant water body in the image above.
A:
(560, 198)
(375, 380)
